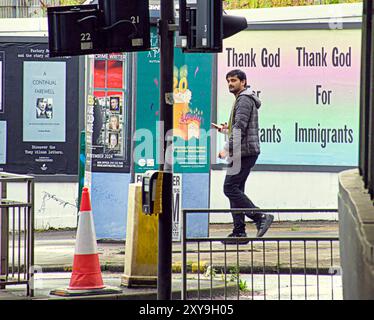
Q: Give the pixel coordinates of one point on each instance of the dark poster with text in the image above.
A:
(1, 81)
(39, 122)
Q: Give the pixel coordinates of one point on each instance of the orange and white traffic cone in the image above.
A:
(86, 273)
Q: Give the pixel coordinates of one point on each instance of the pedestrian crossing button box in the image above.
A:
(149, 186)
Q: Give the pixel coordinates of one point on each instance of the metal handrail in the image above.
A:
(185, 239)
(18, 235)
(269, 239)
(243, 210)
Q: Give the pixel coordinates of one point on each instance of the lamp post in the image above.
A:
(164, 287)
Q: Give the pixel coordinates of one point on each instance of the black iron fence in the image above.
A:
(366, 155)
(287, 267)
(17, 232)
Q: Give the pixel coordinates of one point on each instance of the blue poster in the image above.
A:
(2, 142)
(44, 107)
(1, 82)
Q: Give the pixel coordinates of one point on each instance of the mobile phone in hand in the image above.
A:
(217, 126)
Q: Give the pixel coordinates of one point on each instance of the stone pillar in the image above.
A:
(356, 229)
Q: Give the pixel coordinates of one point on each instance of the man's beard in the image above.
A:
(233, 90)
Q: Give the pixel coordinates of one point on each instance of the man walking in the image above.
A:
(243, 148)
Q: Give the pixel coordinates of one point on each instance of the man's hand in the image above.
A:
(222, 154)
(223, 128)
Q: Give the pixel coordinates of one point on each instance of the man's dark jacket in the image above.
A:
(244, 126)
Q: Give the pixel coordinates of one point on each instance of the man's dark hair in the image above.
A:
(238, 73)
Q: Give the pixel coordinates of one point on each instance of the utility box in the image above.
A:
(141, 243)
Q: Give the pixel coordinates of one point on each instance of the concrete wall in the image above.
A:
(55, 203)
(356, 228)
(109, 198)
(268, 190)
(195, 194)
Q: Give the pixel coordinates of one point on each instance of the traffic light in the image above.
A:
(202, 25)
(125, 25)
(110, 26)
(73, 30)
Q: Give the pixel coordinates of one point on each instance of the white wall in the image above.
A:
(24, 27)
(55, 203)
(285, 190)
(333, 13)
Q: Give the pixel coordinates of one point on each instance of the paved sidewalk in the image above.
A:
(54, 252)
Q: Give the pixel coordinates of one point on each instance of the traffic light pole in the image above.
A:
(164, 288)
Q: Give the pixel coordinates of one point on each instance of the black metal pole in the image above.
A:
(370, 109)
(164, 287)
(184, 256)
(366, 67)
(4, 233)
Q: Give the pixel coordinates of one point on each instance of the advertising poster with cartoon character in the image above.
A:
(191, 111)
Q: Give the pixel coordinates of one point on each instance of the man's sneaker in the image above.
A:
(263, 224)
(234, 238)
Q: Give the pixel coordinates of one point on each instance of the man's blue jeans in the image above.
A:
(234, 187)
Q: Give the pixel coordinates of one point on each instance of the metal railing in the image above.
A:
(17, 233)
(289, 267)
